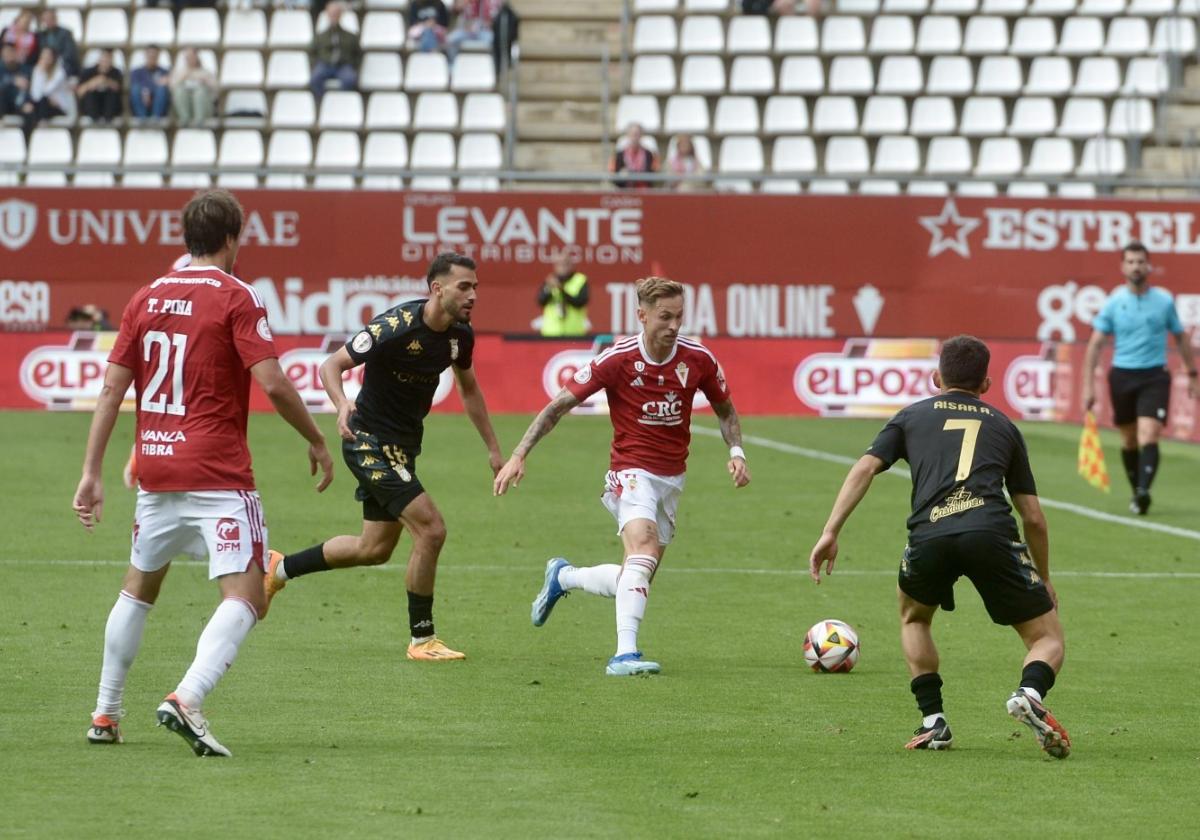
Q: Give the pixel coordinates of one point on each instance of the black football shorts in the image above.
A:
(386, 473)
(1002, 571)
(1139, 393)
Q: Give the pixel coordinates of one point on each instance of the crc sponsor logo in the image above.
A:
(303, 367)
(1037, 386)
(229, 535)
(869, 378)
(1068, 229)
(345, 305)
(24, 304)
(609, 232)
(18, 222)
(665, 412)
(70, 376)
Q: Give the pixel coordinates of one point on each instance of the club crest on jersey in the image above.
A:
(583, 375)
(363, 341)
(414, 348)
(264, 329)
(639, 366)
(454, 349)
(681, 373)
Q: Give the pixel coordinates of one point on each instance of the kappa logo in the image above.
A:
(414, 347)
(18, 222)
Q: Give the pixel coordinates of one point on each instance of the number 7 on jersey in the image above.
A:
(966, 454)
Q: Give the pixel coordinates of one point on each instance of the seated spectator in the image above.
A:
(428, 21)
(149, 91)
(88, 317)
(99, 89)
(49, 92)
(682, 161)
(335, 54)
(59, 39)
(632, 156)
(20, 34)
(14, 81)
(473, 27)
(193, 90)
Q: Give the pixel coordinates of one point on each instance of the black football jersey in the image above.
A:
(404, 361)
(962, 452)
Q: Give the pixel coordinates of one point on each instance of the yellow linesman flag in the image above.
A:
(1091, 455)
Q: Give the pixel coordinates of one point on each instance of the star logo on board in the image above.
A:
(949, 230)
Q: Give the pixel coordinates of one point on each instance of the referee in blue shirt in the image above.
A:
(1139, 318)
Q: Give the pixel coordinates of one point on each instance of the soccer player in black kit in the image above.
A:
(405, 350)
(962, 453)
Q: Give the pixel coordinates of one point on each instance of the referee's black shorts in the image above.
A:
(1144, 392)
(1002, 571)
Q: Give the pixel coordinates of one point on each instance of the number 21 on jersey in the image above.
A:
(169, 350)
(966, 453)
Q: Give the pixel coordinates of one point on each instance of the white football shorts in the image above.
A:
(224, 525)
(637, 494)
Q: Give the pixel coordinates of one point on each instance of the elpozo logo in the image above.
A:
(873, 377)
(71, 376)
(18, 223)
(1039, 386)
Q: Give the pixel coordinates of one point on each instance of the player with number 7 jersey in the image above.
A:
(190, 342)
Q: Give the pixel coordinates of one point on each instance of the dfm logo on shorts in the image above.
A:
(665, 412)
(229, 535)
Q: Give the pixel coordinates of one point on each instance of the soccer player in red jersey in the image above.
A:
(650, 380)
(189, 343)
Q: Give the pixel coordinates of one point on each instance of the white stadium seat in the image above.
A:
(977, 189)
(336, 149)
(1028, 189)
(1174, 35)
(480, 152)
(852, 74)
(652, 74)
(655, 34)
(1051, 156)
(835, 115)
(388, 110)
(999, 75)
(687, 114)
(288, 148)
(642, 110)
(753, 74)
(240, 106)
(483, 112)
(193, 147)
(847, 156)
(801, 74)
(891, 34)
(842, 35)
(794, 154)
(153, 26)
(884, 115)
(1083, 117)
(1081, 36)
(702, 74)
(983, 116)
(1033, 36)
(951, 75)
(701, 34)
(426, 71)
(288, 69)
(938, 34)
(948, 156)
(432, 150)
(1033, 116)
(290, 28)
(1049, 75)
(897, 156)
(473, 72)
(1146, 77)
(382, 31)
(437, 111)
(379, 71)
(1127, 37)
(1102, 156)
(931, 116)
(97, 147)
(986, 35)
(1131, 118)
(342, 109)
(245, 28)
(736, 115)
(999, 157)
(145, 147)
(384, 150)
(106, 28)
(878, 186)
(749, 34)
(901, 74)
(794, 34)
(294, 109)
(241, 69)
(198, 28)
(239, 148)
(785, 115)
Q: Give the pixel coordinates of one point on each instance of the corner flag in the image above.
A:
(1091, 455)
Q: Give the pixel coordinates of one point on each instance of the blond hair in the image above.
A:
(652, 289)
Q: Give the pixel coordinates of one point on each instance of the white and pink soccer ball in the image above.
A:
(831, 646)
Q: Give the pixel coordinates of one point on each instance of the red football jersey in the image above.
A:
(190, 338)
(650, 403)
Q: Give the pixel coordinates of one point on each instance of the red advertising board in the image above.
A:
(858, 377)
(762, 266)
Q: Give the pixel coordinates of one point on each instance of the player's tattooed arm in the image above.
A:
(546, 420)
(511, 473)
(731, 431)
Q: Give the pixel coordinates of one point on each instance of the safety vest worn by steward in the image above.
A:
(561, 318)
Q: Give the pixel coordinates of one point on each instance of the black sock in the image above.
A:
(927, 688)
(1129, 457)
(1147, 465)
(305, 562)
(420, 615)
(1039, 676)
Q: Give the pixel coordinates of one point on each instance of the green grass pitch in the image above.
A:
(335, 734)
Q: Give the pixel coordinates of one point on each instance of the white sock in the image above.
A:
(1032, 692)
(633, 588)
(930, 720)
(122, 638)
(420, 640)
(280, 571)
(216, 650)
(596, 580)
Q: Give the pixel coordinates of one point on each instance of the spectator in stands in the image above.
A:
(88, 317)
(20, 34)
(59, 39)
(428, 21)
(14, 81)
(682, 162)
(564, 299)
(335, 53)
(632, 156)
(193, 89)
(779, 7)
(149, 91)
(99, 89)
(50, 92)
(473, 26)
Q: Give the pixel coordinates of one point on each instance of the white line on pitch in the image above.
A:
(450, 566)
(900, 472)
